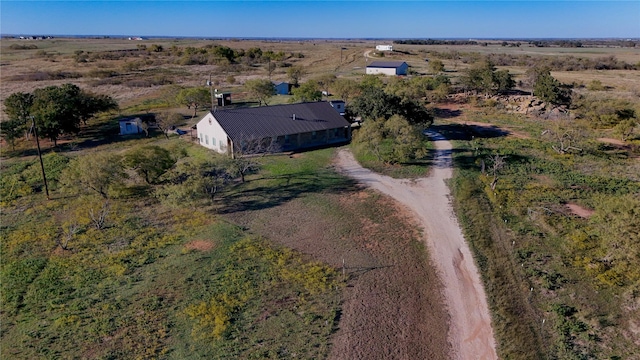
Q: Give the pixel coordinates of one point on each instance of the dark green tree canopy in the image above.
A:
(309, 91)
(195, 98)
(547, 88)
(484, 77)
(374, 103)
(18, 106)
(57, 109)
(150, 162)
(261, 89)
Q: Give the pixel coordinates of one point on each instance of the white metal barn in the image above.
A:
(384, 47)
(387, 68)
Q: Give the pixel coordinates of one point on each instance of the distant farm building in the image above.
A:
(130, 126)
(387, 68)
(274, 128)
(384, 47)
(282, 88)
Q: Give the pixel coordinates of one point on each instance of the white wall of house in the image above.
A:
(211, 134)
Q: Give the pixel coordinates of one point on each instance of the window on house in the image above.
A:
(287, 139)
(314, 135)
(206, 139)
(222, 147)
(213, 141)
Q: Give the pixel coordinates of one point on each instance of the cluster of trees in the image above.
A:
(172, 176)
(56, 110)
(484, 77)
(392, 118)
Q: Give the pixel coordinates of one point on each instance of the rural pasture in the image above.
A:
(299, 260)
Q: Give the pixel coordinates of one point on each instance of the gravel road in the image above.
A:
(471, 335)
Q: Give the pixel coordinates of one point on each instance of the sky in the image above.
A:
(325, 19)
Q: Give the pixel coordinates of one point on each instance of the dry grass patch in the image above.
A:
(199, 245)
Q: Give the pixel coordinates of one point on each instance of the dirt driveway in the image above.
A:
(470, 334)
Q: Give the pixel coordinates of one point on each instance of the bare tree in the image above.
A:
(497, 164)
(99, 218)
(167, 121)
(245, 150)
(564, 140)
(68, 232)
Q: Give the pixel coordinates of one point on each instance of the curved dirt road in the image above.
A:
(471, 335)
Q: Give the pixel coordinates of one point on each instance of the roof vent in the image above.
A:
(294, 116)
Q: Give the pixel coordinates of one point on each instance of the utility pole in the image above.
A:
(44, 176)
(210, 85)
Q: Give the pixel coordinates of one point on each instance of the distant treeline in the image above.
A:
(554, 63)
(435, 42)
(565, 43)
(584, 43)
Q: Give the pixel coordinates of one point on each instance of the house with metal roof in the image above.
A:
(387, 68)
(275, 128)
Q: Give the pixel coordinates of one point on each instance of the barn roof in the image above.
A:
(386, 64)
(279, 120)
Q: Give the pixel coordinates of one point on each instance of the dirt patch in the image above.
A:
(612, 141)
(580, 211)
(392, 307)
(199, 245)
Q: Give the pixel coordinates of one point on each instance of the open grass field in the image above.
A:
(299, 261)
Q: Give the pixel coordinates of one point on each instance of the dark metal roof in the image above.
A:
(279, 120)
(386, 64)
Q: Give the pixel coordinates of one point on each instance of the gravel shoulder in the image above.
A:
(470, 333)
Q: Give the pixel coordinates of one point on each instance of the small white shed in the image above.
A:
(130, 126)
(384, 47)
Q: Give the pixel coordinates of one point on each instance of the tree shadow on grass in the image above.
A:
(447, 113)
(272, 191)
(468, 132)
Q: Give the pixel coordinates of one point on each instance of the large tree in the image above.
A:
(195, 98)
(392, 140)
(345, 89)
(18, 109)
(309, 91)
(90, 104)
(57, 110)
(484, 77)
(295, 73)
(98, 172)
(168, 120)
(374, 103)
(261, 89)
(150, 162)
